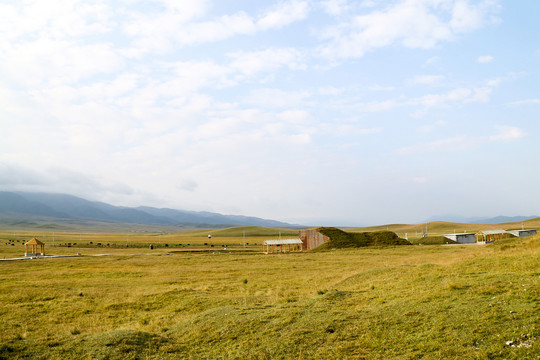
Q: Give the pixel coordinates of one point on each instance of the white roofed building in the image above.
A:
(462, 238)
(522, 233)
(282, 245)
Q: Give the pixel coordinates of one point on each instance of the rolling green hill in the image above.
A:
(340, 239)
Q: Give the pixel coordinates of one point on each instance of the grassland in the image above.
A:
(248, 238)
(407, 302)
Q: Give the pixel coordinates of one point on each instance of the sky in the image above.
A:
(334, 112)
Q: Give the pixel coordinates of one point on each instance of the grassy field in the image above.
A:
(249, 238)
(407, 302)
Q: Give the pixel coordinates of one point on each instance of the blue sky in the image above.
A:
(332, 112)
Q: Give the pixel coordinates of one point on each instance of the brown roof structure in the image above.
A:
(37, 248)
(34, 241)
(491, 235)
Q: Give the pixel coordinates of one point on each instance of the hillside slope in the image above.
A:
(340, 239)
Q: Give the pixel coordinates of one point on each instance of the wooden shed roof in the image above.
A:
(34, 241)
(491, 232)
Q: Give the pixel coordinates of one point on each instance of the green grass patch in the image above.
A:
(433, 240)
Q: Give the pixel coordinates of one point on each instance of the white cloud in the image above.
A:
(15, 177)
(219, 29)
(54, 19)
(294, 116)
(335, 7)
(430, 127)
(422, 104)
(481, 94)
(188, 76)
(467, 17)
(276, 98)
(508, 133)
(171, 18)
(485, 59)
(381, 88)
(449, 144)
(464, 142)
(249, 63)
(494, 82)
(330, 91)
(300, 139)
(188, 185)
(427, 79)
(433, 60)
(455, 95)
(525, 102)
(377, 106)
(49, 61)
(283, 14)
(350, 129)
(459, 95)
(512, 76)
(411, 23)
(178, 25)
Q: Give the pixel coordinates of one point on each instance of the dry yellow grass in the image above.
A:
(430, 302)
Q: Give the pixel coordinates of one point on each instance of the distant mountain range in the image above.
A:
(63, 209)
(23, 206)
(480, 220)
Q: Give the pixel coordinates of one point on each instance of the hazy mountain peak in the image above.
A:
(62, 206)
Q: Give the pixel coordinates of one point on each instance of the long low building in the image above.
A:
(522, 233)
(282, 245)
(462, 238)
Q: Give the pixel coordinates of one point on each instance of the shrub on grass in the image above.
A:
(5, 350)
(123, 344)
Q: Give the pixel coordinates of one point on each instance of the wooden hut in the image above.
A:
(34, 245)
